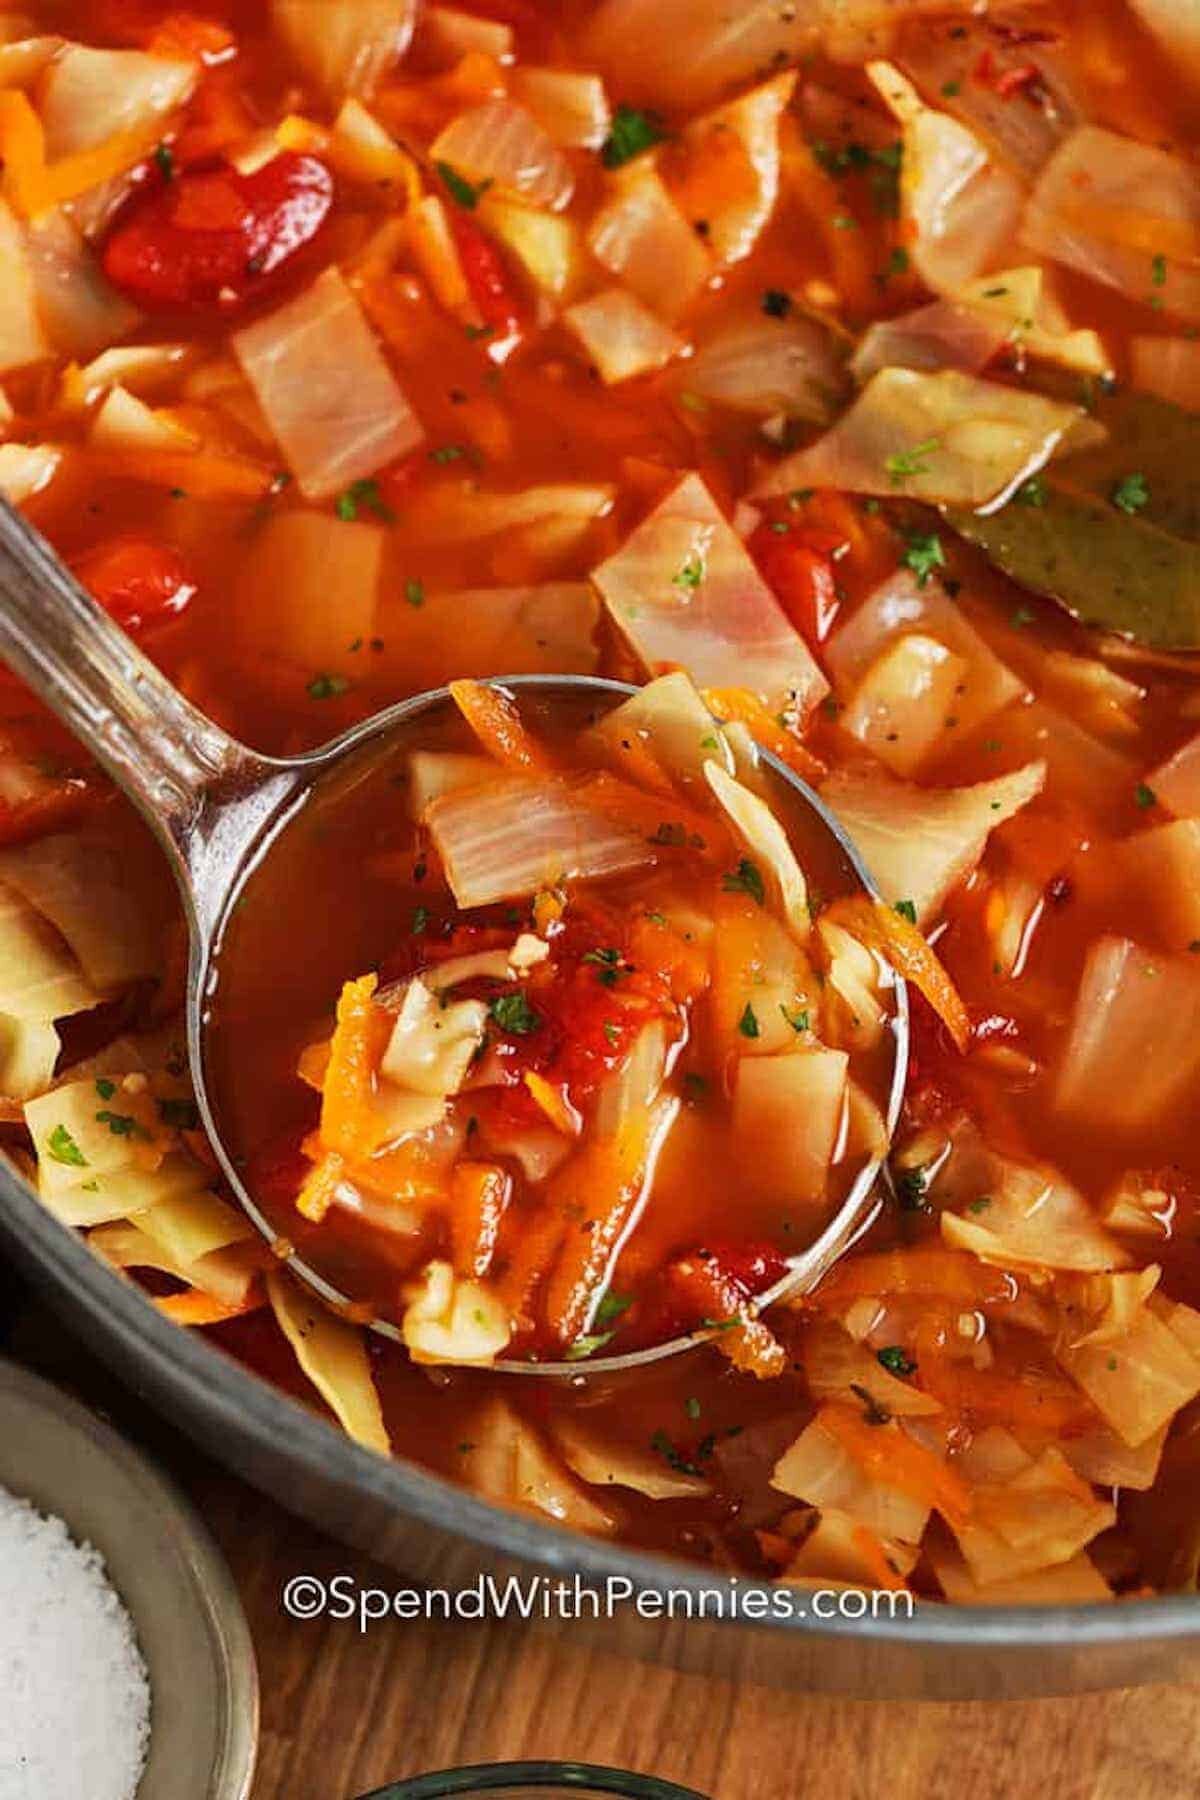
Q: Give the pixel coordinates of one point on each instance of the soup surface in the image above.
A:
(847, 364)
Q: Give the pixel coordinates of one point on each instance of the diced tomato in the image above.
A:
(210, 236)
(751, 1267)
(800, 574)
(486, 275)
(138, 580)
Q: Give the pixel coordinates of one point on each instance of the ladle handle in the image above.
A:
(170, 759)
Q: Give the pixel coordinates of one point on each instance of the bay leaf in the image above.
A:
(1133, 572)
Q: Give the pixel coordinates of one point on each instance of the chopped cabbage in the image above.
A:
(333, 1355)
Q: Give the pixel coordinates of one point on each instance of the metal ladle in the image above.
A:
(217, 807)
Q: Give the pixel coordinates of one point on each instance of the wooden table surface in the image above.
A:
(344, 1713)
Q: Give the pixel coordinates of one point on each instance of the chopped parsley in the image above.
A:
(465, 193)
(776, 303)
(1131, 494)
(672, 1455)
(165, 159)
(911, 1185)
(907, 910)
(691, 1407)
(181, 1115)
(513, 1013)
(414, 592)
(1145, 796)
(691, 575)
(904, 465)
(609, 965)
(797, 1020)
(327, 687)
(420, 921)
(105, 1089)
(611, 1306)
(898, 263)
(63, 1148)
(121, 1124)
(448, 453)
(1158, 270)
(746, 879)
(586, 1346)
(632, 132)
(924, 556)
(894, 1360)
(1033, 492)
(748, 1023)
(363, 496)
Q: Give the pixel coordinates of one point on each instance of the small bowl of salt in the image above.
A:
(126, 1666)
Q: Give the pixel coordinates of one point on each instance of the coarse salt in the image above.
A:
(74, 1693)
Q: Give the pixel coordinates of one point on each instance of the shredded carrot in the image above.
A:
(554, 1103)
(636, 762)
(548, 908)
(494, 719)
(595, 1195)
(663, 821)
(479, 1197)
(716, 1300)
(349, 1122)
(32, 185)
(195, 1308)
(883, 929)
(849, 251)
(533, 1253)
(320, 1185)
(739, 703)
(1037, 1403)
(312, 1065)
(885, 1453)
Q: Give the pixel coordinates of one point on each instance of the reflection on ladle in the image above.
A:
(236, 827)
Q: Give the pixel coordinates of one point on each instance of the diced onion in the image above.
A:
(571, 108)
(322, 381)
(25, 469)
(91, 95)
(345, 46)
(763, 365)
(641, 236)
(621, 336)
(501, 143)
(80, 310)
(23, 337)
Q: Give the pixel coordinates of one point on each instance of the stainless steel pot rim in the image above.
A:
(485, 1777)
(230, 1393)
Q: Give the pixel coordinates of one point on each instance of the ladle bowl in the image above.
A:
(218, 808)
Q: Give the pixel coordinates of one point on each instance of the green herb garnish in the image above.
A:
(748, 1023)
(463, 192)
(894, 1360)
(746, 879)
(924, 556)
(63, 1148)
(631, 133)
(513, 1013)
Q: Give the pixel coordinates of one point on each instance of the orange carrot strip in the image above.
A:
(533, 1252)
(349, 1123)
(886, 1453)
(479, 1197)
(882, 928)
(554, 1103)
(637, 763)
(848, 253)
(320, 1185)
(195, 1308)
(594, 1195)
(23, 153)
(739, 703)
(663, 821)
(715, 1299)
(496, 722)
(684, 962)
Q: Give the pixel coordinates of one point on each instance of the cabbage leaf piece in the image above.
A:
(1112, 534)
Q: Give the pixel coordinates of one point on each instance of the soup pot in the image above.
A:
(437, 1533)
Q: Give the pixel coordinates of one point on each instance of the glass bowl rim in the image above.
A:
(587, 1778)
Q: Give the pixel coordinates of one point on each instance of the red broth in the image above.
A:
(1041, 1246)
